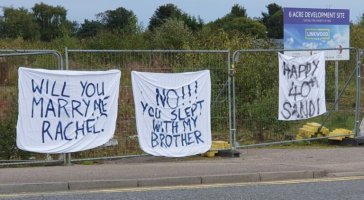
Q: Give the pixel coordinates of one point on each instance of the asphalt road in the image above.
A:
(333, 188)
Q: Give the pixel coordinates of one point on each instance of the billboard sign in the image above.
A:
(312, 28)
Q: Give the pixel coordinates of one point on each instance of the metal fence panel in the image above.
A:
(126, 141)
(10, 60)
(256, 84)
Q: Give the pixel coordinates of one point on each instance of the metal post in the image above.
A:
(232, 111)
(60, 59)
(64, 159)
(66, 58)
(67, 159)
(230, 92)
(359, 54)
(337, 85)
(233, 130)
(67, 156)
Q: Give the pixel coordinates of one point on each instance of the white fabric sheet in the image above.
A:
(173, 112)
(66, 111)
(301, 86)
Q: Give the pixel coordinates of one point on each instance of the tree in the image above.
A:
(258, 82)
(18, 23)
(273, 20)
(89, 29)
(52, 21)
(361, 22)
(356, 36)
(170, 11)
(243, 25)
(119, 20)
(165, 37)
(71, 28)
(163, 13)
(237, 11)
(272, 9)
(195, 24)
(237, 21)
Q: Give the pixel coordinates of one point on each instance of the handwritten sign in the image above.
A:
(173, 112)
(66, 111)
(301, 86)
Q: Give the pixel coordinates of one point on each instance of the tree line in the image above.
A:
(46, 23)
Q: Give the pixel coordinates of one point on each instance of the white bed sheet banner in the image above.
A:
(66, 111)
(173, 112)
(301, 86)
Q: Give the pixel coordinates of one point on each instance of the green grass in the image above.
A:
(87, 162)
(302, 145)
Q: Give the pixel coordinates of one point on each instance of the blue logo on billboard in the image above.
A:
(317, 34)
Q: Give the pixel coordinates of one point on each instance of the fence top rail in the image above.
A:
(28, 50)
(281, 50)
(24, 54)
(146, 51)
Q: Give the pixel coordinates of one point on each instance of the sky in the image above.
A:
(207, 10)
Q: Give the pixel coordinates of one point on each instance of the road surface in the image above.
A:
(348, 188)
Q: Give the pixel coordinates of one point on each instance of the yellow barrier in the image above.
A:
(215, 146)
(310, 130)
(345, 133)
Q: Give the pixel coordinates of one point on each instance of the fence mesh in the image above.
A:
(153, 61)
(10, 60)
(255, 91)
(256, 96)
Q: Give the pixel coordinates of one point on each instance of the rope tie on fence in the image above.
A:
(232, 71)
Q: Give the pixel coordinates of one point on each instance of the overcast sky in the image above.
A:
(208, 10)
